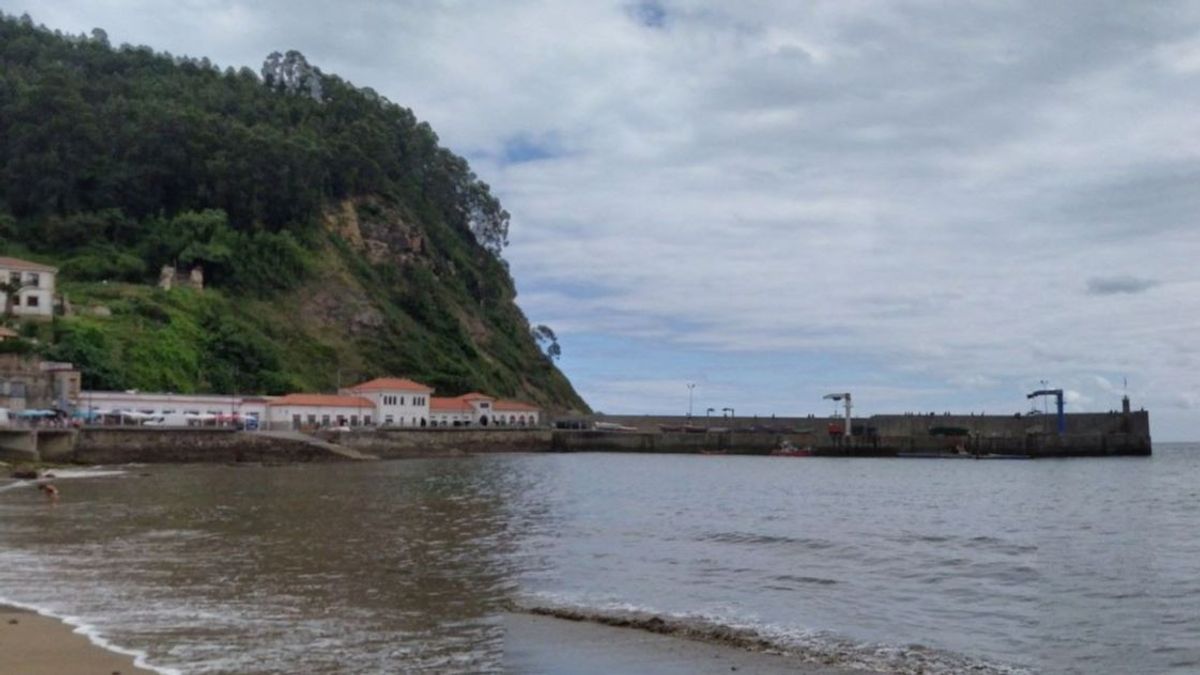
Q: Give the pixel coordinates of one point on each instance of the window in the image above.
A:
(312, 419)
(14, 277)
(354, 420)
(32, 301)
(401, 400)
(325, 420)
(367, 420)
(389, 419)
(483, 404)
(34, 278)
(296, 421)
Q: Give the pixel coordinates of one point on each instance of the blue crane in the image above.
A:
(1058, 399)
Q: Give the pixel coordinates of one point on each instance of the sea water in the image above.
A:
(1073, 566)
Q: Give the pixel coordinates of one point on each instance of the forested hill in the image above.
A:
(337, 238)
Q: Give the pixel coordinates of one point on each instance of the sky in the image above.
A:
(934, 206)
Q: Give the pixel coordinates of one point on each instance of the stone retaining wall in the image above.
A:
(139, 444)
(398, 443)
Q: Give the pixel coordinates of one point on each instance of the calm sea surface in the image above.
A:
(1083, 566)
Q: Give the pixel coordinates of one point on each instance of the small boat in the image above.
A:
(786, 449)
(612, 426)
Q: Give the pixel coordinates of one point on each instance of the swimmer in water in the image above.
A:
(49, 490)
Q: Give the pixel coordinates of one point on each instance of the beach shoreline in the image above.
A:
(33, 643)
(541, 643)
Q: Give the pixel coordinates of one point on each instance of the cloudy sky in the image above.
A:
(932, 205)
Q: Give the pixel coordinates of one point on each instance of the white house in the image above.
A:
(309, 411)
(477, 409)
(397, 401)
(35, 296)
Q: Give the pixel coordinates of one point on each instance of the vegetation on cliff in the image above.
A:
(338, 239)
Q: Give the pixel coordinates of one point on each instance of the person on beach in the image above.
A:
(49, 490)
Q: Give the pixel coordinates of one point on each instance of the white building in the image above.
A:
(36, 295)
(475, 409)
(515, 414)
(162, 404)
(397, 401)
(314, 411)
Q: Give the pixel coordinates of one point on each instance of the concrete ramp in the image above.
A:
(313, 441)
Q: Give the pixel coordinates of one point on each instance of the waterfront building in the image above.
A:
(397, 401)
(381, 402)
(166, 404)
(313, 411)
(33, 287)
(477, 409)
(515, 414)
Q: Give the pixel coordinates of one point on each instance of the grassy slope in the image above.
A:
(353, 321)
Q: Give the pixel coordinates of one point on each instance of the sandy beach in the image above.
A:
(544, 644)
(31, 644)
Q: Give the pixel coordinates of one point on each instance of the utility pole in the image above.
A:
(691, 388)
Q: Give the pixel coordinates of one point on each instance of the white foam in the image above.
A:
(93, 635)
(65, 474)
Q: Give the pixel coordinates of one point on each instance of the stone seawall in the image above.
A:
(131, 444)
(140, 444)
(670, 442)
(397, 443)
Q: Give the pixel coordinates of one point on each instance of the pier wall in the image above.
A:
(103, 445)
(447, 442)
(1087, 434)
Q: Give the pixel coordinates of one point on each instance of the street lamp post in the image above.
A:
(708, 414)
(691, 388)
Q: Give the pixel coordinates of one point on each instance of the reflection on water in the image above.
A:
(242, 569)
(1062, 566)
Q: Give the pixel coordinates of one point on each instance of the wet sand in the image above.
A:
(543, 644)
(32, 644)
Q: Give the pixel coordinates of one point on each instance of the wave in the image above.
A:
(754, 538)
(93, 635)
(813, 647)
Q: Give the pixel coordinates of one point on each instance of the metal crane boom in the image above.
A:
(1058, 400)
(840, 397)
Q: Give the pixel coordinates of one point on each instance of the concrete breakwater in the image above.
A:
(1085, 435)
(880, 436)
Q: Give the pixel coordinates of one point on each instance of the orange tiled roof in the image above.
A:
(456, 404)
(18, 264)
(475, 396)
(515, 406)
(391, 384)
(323, 401)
